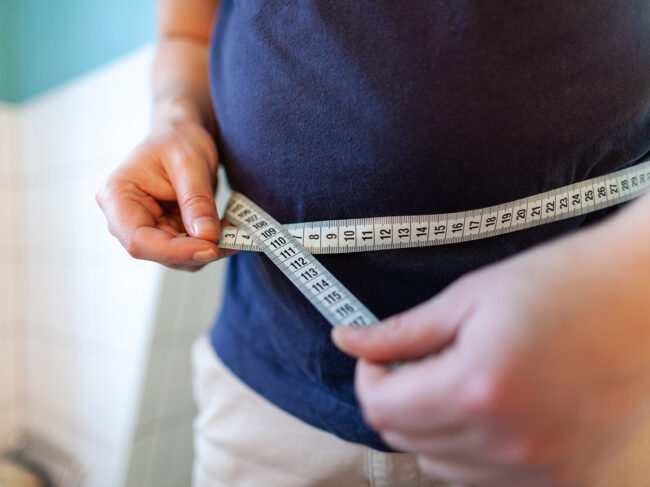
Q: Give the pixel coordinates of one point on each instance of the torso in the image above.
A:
(335, 109)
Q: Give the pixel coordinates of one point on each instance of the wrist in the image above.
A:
(170, 107)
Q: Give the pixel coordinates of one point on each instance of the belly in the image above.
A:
(337, 110)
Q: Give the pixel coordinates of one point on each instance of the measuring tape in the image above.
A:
(291, 246)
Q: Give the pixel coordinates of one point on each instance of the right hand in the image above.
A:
(160, 202)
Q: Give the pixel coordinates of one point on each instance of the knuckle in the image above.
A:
(188, 155)
(103, 194)
(133, 247)
(376, 414)
(484, 395)
(113, 231)
(182, 152)
(196, 200)
(524, 452)
(539, 452)
(396, 325)
(116, 189)
(427, 466)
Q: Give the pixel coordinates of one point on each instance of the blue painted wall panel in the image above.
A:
(5, 70)
(44, 43)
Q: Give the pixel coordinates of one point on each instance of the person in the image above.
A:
(529, 353)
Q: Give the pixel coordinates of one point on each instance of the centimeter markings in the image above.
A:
(383, 233)
(338, 305)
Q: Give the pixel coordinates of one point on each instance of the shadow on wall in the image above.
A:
(96, 344)
(36, 463)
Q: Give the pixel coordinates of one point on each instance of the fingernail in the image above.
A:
(205, 226)
(205, 255)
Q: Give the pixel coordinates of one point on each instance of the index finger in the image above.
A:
(415, 397)
(131, 220)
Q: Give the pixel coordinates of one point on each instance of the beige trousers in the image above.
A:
(242, 440)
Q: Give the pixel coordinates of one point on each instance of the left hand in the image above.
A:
(532, 372)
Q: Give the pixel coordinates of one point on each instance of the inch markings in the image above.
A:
(290, 247)
(334, 301)
(383, 233)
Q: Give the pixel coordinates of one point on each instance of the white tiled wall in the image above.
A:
(163, 438)
(94, 346)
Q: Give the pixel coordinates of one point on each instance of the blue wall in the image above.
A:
(44, 43)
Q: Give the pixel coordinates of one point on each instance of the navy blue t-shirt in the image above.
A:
(341, 109)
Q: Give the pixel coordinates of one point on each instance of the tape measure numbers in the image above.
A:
(291, 246)
(334, 301)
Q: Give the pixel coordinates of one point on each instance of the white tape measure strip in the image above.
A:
(396, 232)
(338, 305)
(256, 230)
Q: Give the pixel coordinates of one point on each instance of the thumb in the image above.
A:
(413, 334)
(192, 182)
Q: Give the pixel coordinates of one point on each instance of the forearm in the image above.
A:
(180, 74)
